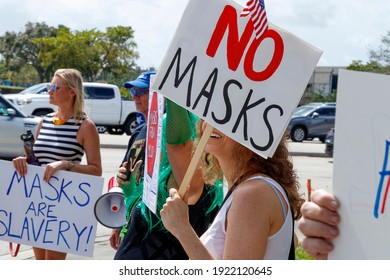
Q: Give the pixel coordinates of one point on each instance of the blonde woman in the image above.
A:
(63, 137)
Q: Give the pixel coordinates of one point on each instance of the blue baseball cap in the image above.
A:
(142, 81)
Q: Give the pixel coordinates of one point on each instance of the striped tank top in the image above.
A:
(58, 142)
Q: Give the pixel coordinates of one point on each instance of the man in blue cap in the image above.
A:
(144, 236)
(139, 90)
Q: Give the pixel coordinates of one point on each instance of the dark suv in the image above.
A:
(311, 121)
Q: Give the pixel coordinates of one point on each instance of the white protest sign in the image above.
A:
(361, 165)
(245, 87)
(57, 215)
(153, 149)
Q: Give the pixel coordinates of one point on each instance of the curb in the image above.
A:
(296, 154)
(113, 146)
(302, 154)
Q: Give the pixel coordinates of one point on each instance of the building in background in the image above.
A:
(323, 80)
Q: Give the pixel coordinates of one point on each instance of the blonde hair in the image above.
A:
(279, 168)
(74, 80)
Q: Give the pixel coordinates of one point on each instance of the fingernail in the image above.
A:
(335, 219)
(334, 232)
(333, 205)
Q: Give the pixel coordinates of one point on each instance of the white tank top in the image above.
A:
(278, 246)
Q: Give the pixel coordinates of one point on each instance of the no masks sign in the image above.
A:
(244, 86)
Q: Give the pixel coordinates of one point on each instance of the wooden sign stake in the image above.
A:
(195, 160)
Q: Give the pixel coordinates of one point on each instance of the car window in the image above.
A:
(328, 112)
(38, 88)
(303, 110)
(3, 109)
(99, 93)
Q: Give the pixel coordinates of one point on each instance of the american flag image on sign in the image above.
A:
(256, 10)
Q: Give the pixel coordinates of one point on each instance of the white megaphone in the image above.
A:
(110, 210)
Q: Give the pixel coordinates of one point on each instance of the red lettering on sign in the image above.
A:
(152, 134)
(236, 45)
(275, 61)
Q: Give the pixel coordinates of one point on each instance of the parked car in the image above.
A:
(312, 121)
(104, 104)
(329, 142)
(14, 123)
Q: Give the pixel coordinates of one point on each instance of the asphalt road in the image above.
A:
(308, 157)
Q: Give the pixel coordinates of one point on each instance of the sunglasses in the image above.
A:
(138, 91)
(53, 87)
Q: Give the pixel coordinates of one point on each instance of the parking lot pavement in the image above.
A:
(306, 148)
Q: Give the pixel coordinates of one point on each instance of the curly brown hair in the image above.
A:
(279, 167)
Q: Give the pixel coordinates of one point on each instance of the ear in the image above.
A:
(73, 93)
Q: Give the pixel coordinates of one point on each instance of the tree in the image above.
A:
(19, 49)
(382, 55)
(379, 59)
(94, 53)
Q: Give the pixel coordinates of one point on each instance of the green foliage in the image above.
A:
(7, 89)
(372, 66)
(125, 93)
(312, 96)
(19, 49)
(379, 59)
(382, 54)
(46, 49)
(301, 254)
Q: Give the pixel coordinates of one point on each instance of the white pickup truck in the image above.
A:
(104, 105)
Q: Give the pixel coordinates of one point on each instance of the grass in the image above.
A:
(301, 254)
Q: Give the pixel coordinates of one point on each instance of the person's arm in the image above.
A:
(91, 143)
(254, 215)
(115, 239)
(20, 163)
(319, 224)
(180, 147)
(89, 138)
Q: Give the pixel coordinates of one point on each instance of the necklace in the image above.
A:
(59, 121)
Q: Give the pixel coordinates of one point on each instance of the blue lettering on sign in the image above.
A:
(86, 195)
(61, 189)
(61, 230)
(54, 188)
(384, 173)
(2, 224)
(41, 223)
(18, 178)
(47, 231)
(36, 184)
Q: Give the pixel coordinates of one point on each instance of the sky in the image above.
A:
(345, 30)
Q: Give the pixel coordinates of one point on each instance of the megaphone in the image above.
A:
(110, 210)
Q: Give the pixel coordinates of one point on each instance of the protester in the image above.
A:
(63, 137)
(256, 219)
(144, 236)
(319, 224)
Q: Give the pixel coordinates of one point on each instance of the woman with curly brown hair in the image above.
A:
(256, 218)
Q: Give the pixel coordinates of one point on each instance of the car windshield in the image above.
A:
(33, 89)
(303, 110)
(10, 106)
